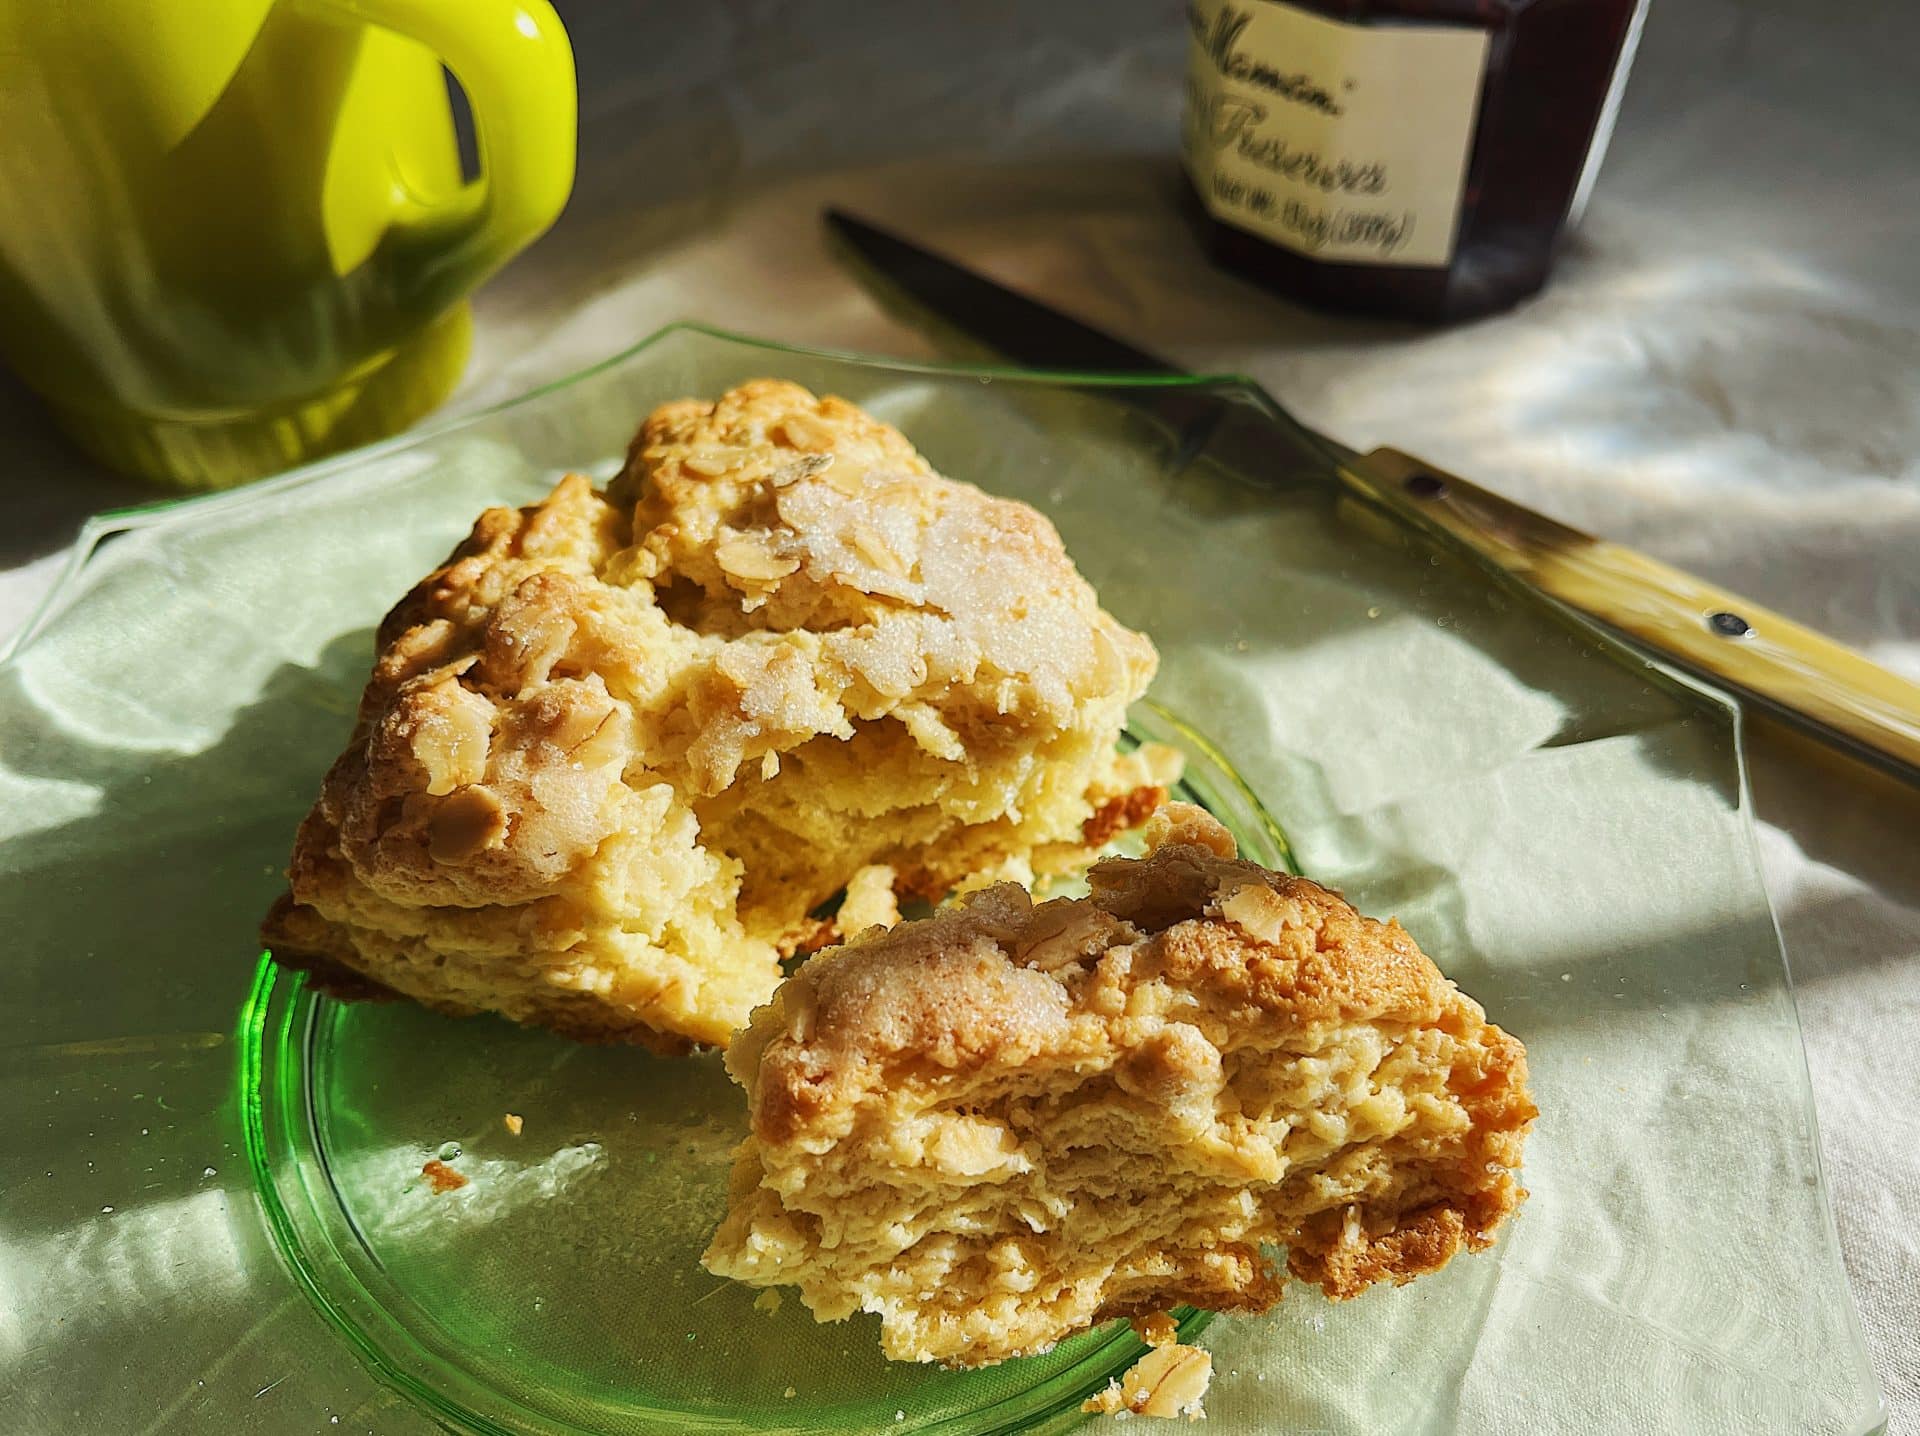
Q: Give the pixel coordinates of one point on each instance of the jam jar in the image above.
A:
(1417, 159)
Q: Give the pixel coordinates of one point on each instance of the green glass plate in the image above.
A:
(211, 1209)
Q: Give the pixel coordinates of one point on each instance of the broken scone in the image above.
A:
(619, 749)
(1005, 1123)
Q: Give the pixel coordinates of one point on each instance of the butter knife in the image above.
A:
(1771, 663)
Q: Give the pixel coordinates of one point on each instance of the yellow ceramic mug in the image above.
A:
(234, 233)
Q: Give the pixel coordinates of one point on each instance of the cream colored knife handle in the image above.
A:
(1786, 666)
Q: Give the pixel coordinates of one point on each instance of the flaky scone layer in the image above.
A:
(1007, 1122)
(619, 747)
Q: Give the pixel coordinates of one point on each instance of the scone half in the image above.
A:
(1006, 1123)
(617, 752)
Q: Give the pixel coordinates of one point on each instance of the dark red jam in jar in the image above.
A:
(1412, 158)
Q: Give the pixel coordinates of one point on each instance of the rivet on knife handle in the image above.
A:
(1786, 665)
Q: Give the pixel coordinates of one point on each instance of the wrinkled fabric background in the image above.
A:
(1725, 373)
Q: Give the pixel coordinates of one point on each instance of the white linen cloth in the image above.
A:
(1725, 372)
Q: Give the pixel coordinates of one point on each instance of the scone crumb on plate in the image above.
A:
(441, 1177)
(869, 901)
(768, 1301)
(1168, 1381)
(1158, 1329)
(513, 1122)
(789, 1393)
(1116, 815)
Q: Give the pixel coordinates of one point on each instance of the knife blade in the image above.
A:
(1777, 666)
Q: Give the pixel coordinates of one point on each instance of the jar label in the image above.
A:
(1340, 142)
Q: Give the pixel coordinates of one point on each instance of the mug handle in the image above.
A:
(514, 61)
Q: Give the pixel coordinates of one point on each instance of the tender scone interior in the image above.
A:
(617, 749)
(1007, 1122)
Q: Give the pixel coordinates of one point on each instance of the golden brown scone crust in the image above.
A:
(1003, 1124)
(620, 745)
